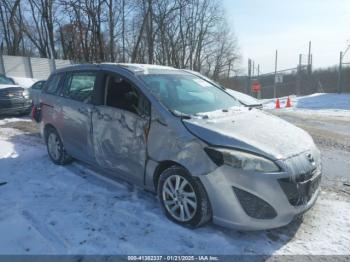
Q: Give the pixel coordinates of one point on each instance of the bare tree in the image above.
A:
(11, 25)
(183, 33)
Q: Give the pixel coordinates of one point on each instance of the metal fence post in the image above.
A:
(259, 95)
(339, 86)
(298, 80)
(28, 63)
(274, 81)
(2, 66)
(249, 76)
(52, 65)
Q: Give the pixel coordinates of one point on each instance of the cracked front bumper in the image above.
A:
(273, 206)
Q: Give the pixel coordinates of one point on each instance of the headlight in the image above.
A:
(26, 94)
(242, 160)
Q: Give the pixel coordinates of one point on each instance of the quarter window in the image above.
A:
(38, 85)
(52, 84)
(79, 86)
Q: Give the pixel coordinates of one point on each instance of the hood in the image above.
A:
(251, 130)
(9, 86)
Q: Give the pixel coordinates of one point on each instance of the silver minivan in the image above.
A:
(173, 132)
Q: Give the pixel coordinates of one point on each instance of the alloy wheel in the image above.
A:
(179, 198)
(54, 146)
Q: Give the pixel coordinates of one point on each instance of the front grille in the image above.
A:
(300, 189)
(11, 94)
(254, 206)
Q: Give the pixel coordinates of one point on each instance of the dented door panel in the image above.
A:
(119, 139)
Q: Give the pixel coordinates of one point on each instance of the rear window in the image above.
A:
(6, 81)
(51, 86)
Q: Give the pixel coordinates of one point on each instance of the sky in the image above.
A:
(262, 26)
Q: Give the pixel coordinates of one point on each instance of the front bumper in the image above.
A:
(15, 105)
(224, 185)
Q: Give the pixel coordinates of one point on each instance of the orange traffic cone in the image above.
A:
(277, 104)
(289, 103)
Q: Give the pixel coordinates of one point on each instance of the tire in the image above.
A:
(55, 148)
(189, 204)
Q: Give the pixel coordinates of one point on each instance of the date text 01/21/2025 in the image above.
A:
(173, 258)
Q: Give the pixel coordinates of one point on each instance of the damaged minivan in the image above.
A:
(182, 136)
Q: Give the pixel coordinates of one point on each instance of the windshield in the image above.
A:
(188, 94)
(6, 81)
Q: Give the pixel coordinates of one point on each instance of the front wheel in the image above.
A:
(56, 149)
(183, 198)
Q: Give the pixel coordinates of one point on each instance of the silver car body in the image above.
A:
(137, 148)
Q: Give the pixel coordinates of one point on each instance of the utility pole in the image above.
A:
(309, 59)
(342, 54)
(253, 68)
(274, 81)
(309, 54)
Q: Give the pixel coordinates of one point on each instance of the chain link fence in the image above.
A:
(292, 82)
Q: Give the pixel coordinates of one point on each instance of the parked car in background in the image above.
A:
(172, 132)
(35, 91)
(13, 98)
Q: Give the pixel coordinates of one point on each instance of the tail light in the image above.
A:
(36, 113)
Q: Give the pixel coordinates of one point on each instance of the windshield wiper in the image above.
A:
(180, 114)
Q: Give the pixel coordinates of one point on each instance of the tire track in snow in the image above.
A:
(59, 245)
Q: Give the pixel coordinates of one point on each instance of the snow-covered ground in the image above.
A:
(49, 209)
(335, 105)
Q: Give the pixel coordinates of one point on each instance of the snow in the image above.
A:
(49, 209)
(24, 81)
(7, 86)
(320, 103)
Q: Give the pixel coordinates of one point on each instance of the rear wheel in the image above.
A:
(55, 148)
(183, 197)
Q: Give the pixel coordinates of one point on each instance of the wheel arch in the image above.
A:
(163, 165)
(47, 127)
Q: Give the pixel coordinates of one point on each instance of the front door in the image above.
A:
(120, 129)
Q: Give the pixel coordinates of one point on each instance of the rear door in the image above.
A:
(120, 128)
(76, 107)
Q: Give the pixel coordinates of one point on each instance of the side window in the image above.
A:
(79, 86)
(38, 85)
(120, 93)
(52, 84)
